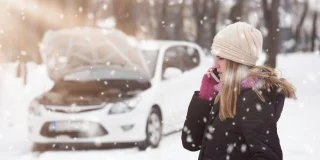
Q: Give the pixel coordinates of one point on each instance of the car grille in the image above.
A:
(73, 109)
(98, 131)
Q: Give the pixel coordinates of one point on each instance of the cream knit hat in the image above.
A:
(238, 42)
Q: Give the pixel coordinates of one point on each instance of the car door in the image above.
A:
(171, 89)
(193, 72)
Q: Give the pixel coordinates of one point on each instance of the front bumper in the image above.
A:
(100, 128)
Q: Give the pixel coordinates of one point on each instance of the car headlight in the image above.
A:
(124, 106)
(34, 108)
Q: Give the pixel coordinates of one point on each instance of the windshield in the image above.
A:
(151, 57)
(103, 73)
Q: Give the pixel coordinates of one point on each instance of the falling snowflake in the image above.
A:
(258, 107)
(185, 128)
(105, 6)
(244, 99)
(233, 123)
(243, 148)
(204, 119)
(227, 133)
(243, 118)
(211, 129)
(248, 109)
(267, 132)
(80, 9)
(230, 149)
(264, 148)
(209, 136)
(189, 139)
(227, 157)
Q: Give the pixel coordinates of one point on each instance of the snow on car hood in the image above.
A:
(69, 48)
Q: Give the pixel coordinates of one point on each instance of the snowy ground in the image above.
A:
(298, 127)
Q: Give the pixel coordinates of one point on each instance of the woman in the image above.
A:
(236, 119)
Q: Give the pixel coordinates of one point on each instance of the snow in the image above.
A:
(298, 130)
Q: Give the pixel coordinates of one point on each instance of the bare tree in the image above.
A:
(314, 30)
(236, 11)
(300, 24)
(199, 10)
(124, 13)
(271, 16)
(214, 17)
(162, 20)
(179, 27)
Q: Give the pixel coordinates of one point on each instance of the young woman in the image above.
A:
(236, 119)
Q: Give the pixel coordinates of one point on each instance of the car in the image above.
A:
(107, 104)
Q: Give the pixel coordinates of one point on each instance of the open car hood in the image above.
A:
(66, 49)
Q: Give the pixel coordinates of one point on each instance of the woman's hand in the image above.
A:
(210, 70)
(207, 86)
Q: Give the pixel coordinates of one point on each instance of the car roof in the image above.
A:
(157, 44)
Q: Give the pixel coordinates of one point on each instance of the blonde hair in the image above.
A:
(235, 73)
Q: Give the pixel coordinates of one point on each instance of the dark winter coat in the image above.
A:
(251, 135)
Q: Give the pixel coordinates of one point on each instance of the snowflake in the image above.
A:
(258, 107)
(211, 129)
(233, 123)
(243, 148)
(267, 132)
(230, 149)
(105, 6)
(204, 119)
(227, 133)
(248, 109)
(209, 136)
(189, 139)
(80, 9)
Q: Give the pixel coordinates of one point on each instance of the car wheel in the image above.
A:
(153, 130)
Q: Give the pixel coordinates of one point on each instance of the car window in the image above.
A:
(172, 58)
(151, 58)
(191, 58)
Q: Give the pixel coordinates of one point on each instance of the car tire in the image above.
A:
(153, 130)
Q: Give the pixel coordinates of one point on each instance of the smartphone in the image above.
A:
(215, 75)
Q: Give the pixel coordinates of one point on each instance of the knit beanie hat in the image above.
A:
(239, 42)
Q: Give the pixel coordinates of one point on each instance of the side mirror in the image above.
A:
(172, 72)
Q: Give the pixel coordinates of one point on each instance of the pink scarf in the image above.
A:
(246, 83)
